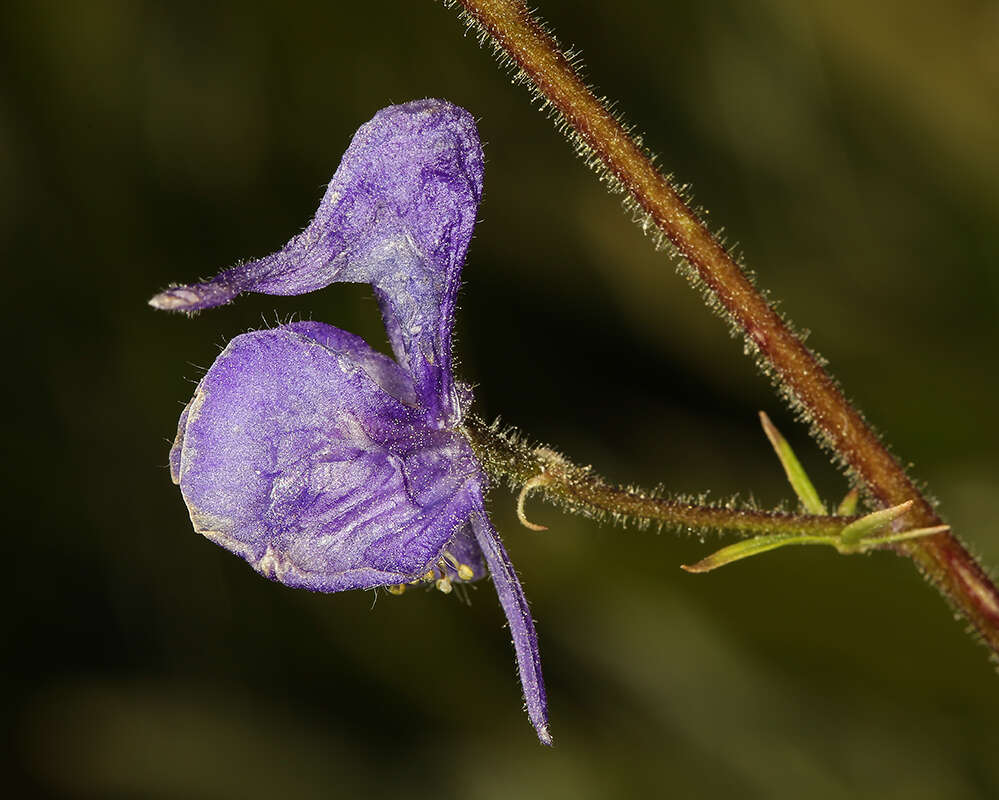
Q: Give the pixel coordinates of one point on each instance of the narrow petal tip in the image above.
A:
(218, 291)
(544, 736)
(180, 298)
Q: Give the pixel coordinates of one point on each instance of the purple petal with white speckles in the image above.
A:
(398, 214)
(294, 457)
(382, 369)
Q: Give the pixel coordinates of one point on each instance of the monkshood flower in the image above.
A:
(329, 466)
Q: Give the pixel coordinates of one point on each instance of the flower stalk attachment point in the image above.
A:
(860, 536)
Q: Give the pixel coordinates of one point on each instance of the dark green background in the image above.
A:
(849, 147)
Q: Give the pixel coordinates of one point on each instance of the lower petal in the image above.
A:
(296, 458)
(518, 614)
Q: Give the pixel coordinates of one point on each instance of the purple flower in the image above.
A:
(329, 466)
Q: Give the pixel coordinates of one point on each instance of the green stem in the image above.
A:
(606, 144)
(580, 490)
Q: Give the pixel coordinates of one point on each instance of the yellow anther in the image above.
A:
(463, 571)
(396, 589)
(534, 483)
(444, 585)
(429, 576)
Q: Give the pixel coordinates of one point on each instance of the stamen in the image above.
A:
(444, 585)
(465, 572)
(534, 483)
(396, 588)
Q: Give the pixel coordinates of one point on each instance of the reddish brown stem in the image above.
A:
(809, 388)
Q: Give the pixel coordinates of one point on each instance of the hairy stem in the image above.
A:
(607, 145)
(505, 457)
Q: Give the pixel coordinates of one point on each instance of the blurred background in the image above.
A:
(849, 148)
